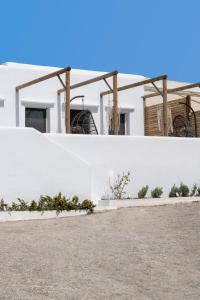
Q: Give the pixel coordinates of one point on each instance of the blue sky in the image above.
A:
(147, 37)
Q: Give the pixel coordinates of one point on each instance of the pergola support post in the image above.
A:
(188, 105)
(67, 102)
(115, 105)
(165, 108)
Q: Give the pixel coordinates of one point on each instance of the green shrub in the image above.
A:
(87, 205)
(184, 190)
(58, 202)
(198, 192)
(193, 191)
(3, 205)
(157, 192)
(174, 192)
(143, 191)
(33, 206)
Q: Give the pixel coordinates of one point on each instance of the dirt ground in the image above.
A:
(130, 253)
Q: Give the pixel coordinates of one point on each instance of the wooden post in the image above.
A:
(115, 105)
(165, 108)
(188, 105)
(67, 103)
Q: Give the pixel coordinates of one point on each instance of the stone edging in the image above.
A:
(37, 215)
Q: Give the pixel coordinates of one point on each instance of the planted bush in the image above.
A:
(174, 192)
(157, 192)
(118, 187)
(143, 191)
(3, 205)
(88, 205)
(193, 191)
(58, 203)
(198, 192)
(184, 190)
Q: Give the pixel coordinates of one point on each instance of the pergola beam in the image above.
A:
(177, 89)
(136, 84)
(42, 78)
(89, 81)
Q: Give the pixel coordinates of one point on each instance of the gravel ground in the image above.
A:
(129, 253)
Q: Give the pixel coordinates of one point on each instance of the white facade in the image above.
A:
(44, 95)
(33, 163)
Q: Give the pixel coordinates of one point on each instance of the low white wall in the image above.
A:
(32, 165)
(156, 161)
(37, 215)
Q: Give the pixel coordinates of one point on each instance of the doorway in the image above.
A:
(36, 118)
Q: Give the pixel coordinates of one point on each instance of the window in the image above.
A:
(122, 125)
(36, 118)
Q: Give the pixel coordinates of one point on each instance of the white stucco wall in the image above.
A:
(44, 95)
(32, 165)
(153, 161)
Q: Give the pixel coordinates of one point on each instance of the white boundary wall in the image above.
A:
(153, 161)
(33, 163)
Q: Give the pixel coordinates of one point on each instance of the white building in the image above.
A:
(33, 163)
(40, 106)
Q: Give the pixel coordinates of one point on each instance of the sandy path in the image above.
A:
(130, 253)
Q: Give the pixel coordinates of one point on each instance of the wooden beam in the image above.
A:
(67, 102)
(61, 81)
(136, 84)
(181, 93)
(108, 85)
(89, 81)
(157, 89)
(177, 89)
(115, 105)
(165, 108)
(42, 78)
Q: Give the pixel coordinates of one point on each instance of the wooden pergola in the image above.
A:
(187, 98)
(141, 83)
(112, 74)
(112, 90)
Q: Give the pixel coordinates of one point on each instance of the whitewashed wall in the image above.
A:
(32, 165)
(156, 161)
(45, 95)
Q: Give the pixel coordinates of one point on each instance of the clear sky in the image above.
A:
(147, 37)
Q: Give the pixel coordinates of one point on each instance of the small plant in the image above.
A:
(3, 206)
(184, 190)
(193, 190)
(87, 205)
(174, 192)
(198, 192)
(58, 202)
(143, 191)
(157, 192)
(33, 206)
(118, 187)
